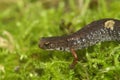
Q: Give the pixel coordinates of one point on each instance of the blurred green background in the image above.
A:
(23, 22)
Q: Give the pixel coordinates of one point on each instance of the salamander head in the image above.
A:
(52, 43)
(45, 43)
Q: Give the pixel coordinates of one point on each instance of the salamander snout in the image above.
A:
(52, 43)
(44, 44)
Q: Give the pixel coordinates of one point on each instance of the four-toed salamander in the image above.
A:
(97, 31)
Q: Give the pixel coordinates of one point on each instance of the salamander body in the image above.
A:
(96, 31)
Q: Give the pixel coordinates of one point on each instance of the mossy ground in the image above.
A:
(21, 27)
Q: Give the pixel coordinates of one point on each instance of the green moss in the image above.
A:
(26, 24)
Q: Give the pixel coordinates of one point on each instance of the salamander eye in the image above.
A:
(47, 44)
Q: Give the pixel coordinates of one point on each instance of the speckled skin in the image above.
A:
(89, 35)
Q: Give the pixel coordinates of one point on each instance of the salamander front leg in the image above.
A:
(75, 58)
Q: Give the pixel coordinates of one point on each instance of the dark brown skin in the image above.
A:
(97, 31)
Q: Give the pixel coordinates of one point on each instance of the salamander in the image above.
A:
(107, 29)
